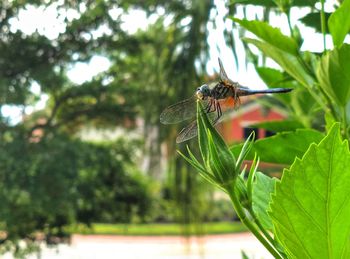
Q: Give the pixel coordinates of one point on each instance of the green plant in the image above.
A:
(222, 169)
(305, 213)
(321, 82)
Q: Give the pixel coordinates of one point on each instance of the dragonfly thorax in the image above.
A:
(203, 92)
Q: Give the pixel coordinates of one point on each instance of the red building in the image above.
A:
(238, 124)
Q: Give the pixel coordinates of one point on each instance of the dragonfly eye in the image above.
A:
(205, 90)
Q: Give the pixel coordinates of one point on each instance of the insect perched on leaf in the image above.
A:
(217, 99)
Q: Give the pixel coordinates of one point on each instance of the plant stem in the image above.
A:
(345, 123)
(330, 104)
(241, 214)
(289, 24)
(316, 97)
(323, 25)
(258, 223)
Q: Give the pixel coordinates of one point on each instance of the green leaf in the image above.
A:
(333, 74)
(271, 3)
(202, 135)
(246, 147)
(202, 171)
(215, 153)
(311, 207)
(278, 126)
(221, 167)
(194, 162)
(263, 187)
(244, 255)
(251, 176)
(202, 118)
(329, 120)
(287, 61)
(283, 147)
(266, 3)
(275, 78)
(270, 34)
(339, 23)
(313, 20)
(310, 3)
(284, 5)
(304, 108)
(272, 77)
(240, 189)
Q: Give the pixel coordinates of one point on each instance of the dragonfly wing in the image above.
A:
(223, 75)
(180, 111)
(191, 130)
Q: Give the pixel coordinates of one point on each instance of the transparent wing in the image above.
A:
(190, 131)
(180, 111)
(224, 78)
(223, 75)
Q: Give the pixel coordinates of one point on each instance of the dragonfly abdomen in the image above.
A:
(247, 91)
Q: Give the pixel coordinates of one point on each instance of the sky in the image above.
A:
(47, 22)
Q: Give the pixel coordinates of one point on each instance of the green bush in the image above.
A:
(59, 181)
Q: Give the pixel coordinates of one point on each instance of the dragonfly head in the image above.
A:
(203, 92)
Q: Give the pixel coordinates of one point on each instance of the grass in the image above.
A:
(159, 229)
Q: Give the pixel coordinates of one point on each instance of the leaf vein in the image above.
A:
(346, 200)
(329, 188)
(296, 234)
(313, 189)
(313, 221)
(300, 205)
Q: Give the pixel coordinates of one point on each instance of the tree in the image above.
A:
(47, 172)
(131, 88)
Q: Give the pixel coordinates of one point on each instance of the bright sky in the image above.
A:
(49, 23)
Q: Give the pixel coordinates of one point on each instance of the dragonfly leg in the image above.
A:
(219, 109)
(218, 112)
(209, 107)
(213, 105)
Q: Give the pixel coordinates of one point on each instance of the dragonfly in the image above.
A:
(216, 98)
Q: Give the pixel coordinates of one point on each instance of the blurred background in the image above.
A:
(82, 85)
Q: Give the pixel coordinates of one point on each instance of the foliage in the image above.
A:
(163, 72)
(307, 209)
(311, 203)
(225, 172)
(287, 145)
(262, 188)
(52, 178)
(91, 182)
(110, 187)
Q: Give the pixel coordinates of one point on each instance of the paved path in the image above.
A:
(208, 247)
